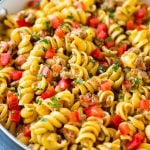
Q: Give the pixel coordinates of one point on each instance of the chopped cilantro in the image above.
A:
(116, 67)
(43, 119)
(135, 82)
(12, 89)
(47, 24)
(109, 39)
(45, 40)
(54, 101)
(65, 26)
(38, 88)
(51, 31)
(111, 15)
(40, 75)
(80, 81)
(70, 17)
(84, 27)
(101, 69)
(39, 102)
(35, 37)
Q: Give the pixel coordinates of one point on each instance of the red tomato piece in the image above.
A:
(102, 27)
(56, 21)
(104, 86)
(49, 53)
(94, 111)
(60, 33)
(126, 84)
(16, 75)
(75, 25)
(145, 104)
(103, 63)
(102, 35)
(34, 4)
(124, 128)
(5, 59)
(81, 5)
(122, 48)
(23, 23)
(48, 93)
(20, 60)
(136, 141)
(130, 25)
(97, 54)
(73, 117)
(139, 28)
(26, 131)
(109, 42)
(12, 101)
(141, 12)
(93, 21)
(15, 116)
(115, 121)
(64, 84)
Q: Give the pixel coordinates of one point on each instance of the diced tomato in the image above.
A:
(102, 35)
(126, 84)
(64, 84)
(103, 63)
(136, 141)
(145, 104)
(109, 42)
(102, 27)
(115, 121)
(15, 116)
(16, 75)
(20, 60)
(47, 73)
(124, 128)
(26, 131)
(130, 25)
(73, 117)
(93, 21)
(104, 86)
(56, 21)
(5, 59)
(12, 101)
(122, 48)
(139, 28)
(48, 93)
(23, 23)
(94, 111)
(80, 5)
(75, 25)
(34, 4)
(49, 53)
(97, 54)
(60, 33)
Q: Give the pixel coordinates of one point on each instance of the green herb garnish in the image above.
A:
(35, 37)
(70, 17)
(135, 82)
(47, 24)
(12, 89)
(93, 61)
(101, 69)
(43, 119)
(39, 102)
(109, 39)
(54, 101)
(51, 31)
(111, 15)
(40, 75)
(80, 81)
(45, 40)
(116, 67)
(84, 27)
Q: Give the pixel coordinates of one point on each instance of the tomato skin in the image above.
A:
(126, 84)
(34, 4)
(93, 21)
(26, 131)
(20, 60)
(122, 48)
(109, 43)
(102, 27)
(81, 5)
(136, 141)
(124, 128)
(97, 54)
(16, 75)
(60, 33)
(94, 111)
(115, 121)
(102, 35)
(15, 116)
(13, 103)
(56, 21)
(23, 23)
(139, 28)
(64, 84)
(75, 25)
(144, 104)
(104, 86)
(49, 53)
(130, 25)
(73, 117)
(48, 93)
(5, 59)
